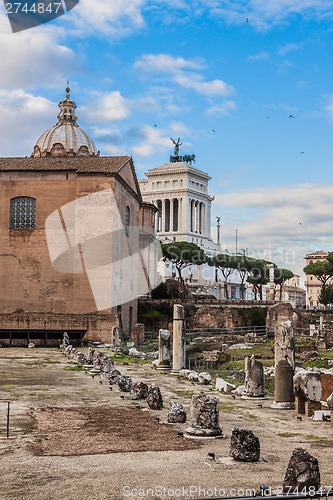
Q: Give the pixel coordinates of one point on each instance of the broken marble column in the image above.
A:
(81, 358)
(254, 378)
(164, 350)
(177, 414)
(204, 417)
(154, 398)
(138, 334)
(124, 383)
(308, 391)
(302, 472)
(97, 362)
(90, 356)
(244, 446)
(65, 340)
(178, 338)
(106, 369)
(139, 390)
(284, 356)
(114, 376)
(68, 349)
(115, 338)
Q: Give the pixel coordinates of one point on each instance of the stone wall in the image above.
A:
(28, 280)
(94, 326)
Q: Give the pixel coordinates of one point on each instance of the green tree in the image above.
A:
(323, 271)
(280, 276)
(243, 264)
(258, 275)
(326, 295)
(183, 254)
(226, 264)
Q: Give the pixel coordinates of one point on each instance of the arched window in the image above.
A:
(22, 213)
(127, 220)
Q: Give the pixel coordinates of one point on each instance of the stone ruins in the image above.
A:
(302, 472)
(178, 338)
(164, 350)
(254, 378)
(284, 356)
(177, 414)
(204, 414)
(154, 398)
(244, 446)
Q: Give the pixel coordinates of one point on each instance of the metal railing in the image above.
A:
(237, 330)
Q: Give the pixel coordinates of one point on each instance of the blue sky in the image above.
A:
(225, 76)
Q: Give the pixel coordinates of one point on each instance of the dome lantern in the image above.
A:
(65, 138)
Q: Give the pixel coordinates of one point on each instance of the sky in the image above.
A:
(246, 85)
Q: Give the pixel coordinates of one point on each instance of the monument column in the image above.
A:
(178, 338)
(203, 218)
(171, 215)
(207, 233)
(281, 316)
(180, 215)
(163, 216)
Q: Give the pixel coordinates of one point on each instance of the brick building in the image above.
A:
(75, 236)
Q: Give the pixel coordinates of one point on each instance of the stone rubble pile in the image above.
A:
(244, 446)
(302, 472)
(202, 378)
(97, 363)
(177, 414)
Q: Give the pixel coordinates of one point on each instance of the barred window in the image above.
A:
(23, 212)
(127, 220)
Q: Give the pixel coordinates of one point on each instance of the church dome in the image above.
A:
(65, 138)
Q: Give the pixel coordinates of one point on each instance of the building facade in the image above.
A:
(74, 232)
(312, 284)
(180, 193)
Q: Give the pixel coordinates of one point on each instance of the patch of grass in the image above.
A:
(184, 392)
(120, 357)
(226, 407)
(76, 368)
(317, 362)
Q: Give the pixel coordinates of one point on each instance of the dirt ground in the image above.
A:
(72, 438)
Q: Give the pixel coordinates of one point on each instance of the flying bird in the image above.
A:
(247, 19)
(213, 130)
(302, 152)
(291, 116)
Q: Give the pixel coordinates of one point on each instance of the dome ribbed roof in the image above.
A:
(65, 138)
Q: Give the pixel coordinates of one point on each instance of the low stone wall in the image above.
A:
(93, 326)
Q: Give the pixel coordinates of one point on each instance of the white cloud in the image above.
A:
(183, 72)
(111, 18)
(107, 107)
(289, 47)
(259, 56)
(34, 57)
(223, 108)
(285, 222)
(263, 14)
(24, 117)
(153, 141)
(164, 63)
